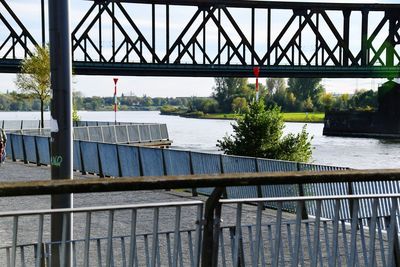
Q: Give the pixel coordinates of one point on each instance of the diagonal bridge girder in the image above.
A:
(226, 38)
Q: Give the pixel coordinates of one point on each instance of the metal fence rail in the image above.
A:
(32, 124)
(108, 132)
(107, 236)
(117, 160)
(251, 236)
(316, 242)
(122, 134)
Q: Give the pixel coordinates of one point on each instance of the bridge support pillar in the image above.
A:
(61, 127)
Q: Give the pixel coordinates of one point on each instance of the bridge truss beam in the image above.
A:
(226, 38)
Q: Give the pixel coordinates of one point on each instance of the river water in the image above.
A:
(202, 135)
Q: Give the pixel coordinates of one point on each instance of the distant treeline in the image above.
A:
(14, 101)
(230, 95)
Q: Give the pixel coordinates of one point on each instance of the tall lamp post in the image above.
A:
(256, 71)
(61, 128)
(115, 99)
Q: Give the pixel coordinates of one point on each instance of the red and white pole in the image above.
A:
(256, 71)
(115, 99)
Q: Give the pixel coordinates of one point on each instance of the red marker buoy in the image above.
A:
(115, 98)
(256, 71)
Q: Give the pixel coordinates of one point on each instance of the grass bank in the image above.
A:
(304, 117)
(288, 117)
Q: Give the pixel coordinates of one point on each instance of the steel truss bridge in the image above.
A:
(215, 38)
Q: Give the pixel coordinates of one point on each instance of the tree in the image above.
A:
(239, 105)
(364, 100)
(34, 78)
(276, 84)
(226, 89)
(327, 101)
(304, 88)
(259, 134)
(308, 104)
(75, 116)
(209, 105)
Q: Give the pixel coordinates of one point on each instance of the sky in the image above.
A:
(165, 86)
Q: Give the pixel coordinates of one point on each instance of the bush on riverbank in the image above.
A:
(259, 133)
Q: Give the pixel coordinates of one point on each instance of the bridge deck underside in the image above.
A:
(202, 70)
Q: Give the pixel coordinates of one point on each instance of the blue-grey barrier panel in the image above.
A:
(203, 163)
(30, 124)
(95, 134)
(375, 187)
(81, 133)
(315, 167)
(30, 148)
(133, 133)
(233, 164)
(79, 123)
(90, 159)
(155, 132)
(43, 148)
(108, 134)
(91, 123)
(129, 160)
(328, 207)
(17, 146)
(164, 131)
(77, 164)
(103, 123)
(12, 125)
(271, 165)
(177, 162)
(8, 147)
(109, 159)
(152, 161)
(206, 163)
(122, 134)
(144, 133)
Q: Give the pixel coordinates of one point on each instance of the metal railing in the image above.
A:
(22, 124)
(135, 244)
(319, 241)
(249, 236)
(121, 133)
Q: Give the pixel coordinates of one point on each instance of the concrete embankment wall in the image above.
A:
(361, 124)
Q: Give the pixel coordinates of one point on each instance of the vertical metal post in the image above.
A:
(212, 213)
(391, 39)
(364, 38)
(61, 122)
(43, 24)
(346, 37)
